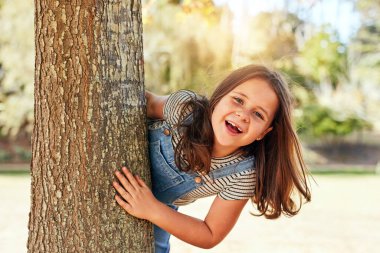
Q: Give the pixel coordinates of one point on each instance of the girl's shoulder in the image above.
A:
(175, 103)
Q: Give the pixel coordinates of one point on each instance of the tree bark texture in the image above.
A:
(90, 119)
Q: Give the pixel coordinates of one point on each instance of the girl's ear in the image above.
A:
(264, 133)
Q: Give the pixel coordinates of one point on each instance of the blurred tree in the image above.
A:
(335, 108)
(206, 8)
(270, 38)
(184, 43)
(366, 43)
(365, 58)
(273, 36)
(174, 1)
(323, 59)
(17, 59)
(191, 44)
(90, 116)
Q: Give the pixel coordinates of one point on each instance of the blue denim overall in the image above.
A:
(169, 183)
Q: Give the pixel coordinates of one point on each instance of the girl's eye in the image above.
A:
(238, 100)
(259, 115)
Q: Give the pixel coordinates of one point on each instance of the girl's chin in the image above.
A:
(227, 142)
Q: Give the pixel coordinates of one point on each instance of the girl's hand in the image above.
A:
(135, 196)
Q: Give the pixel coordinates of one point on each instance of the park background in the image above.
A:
(329, 49)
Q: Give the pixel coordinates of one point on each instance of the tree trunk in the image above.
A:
(89, 120)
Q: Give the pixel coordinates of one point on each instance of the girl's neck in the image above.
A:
(220, 153)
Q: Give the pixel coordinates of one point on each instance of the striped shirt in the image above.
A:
(240, 185)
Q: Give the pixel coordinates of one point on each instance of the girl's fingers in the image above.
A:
(130, 177)
(124, 182)
(140, 181)
(123, 193)
(127, 207)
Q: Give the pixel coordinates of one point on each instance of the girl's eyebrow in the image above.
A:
(258, 106)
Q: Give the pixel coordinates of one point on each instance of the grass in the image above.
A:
(14, 169)
(14, 173)
(344, 170)
(349, 172)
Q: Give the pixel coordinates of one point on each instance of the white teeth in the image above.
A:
(235, 125)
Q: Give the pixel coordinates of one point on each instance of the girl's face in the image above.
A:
(243, 115)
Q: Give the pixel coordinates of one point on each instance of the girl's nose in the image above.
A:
(243, 116)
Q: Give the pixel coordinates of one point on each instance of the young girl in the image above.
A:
(238, 145)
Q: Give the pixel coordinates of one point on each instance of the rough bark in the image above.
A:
(89, 120)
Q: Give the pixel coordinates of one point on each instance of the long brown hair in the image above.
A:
(280, 168)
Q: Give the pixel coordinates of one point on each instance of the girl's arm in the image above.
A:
(155, 105)
(137, 199)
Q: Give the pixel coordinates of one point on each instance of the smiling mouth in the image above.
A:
(233, 128)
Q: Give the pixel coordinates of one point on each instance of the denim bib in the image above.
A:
(168, 182)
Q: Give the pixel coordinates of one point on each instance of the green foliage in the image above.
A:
(17, 153)
(319, 121)
(23, 154)
(5, 156)
(323, 58)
